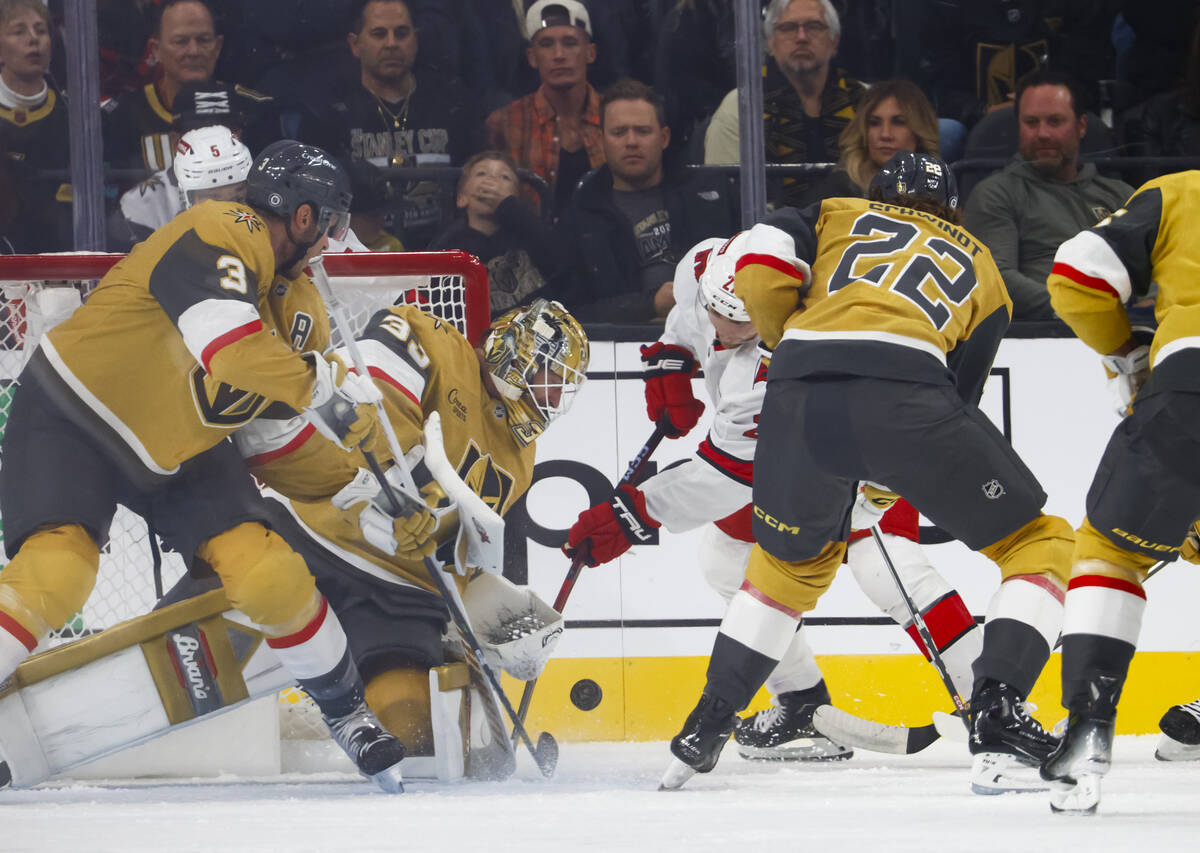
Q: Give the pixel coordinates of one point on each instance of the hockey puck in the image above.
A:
(586, 694)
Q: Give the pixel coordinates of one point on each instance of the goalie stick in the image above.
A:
(560, 601)
(480, 517)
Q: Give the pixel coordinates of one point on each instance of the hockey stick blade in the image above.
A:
(845, 728)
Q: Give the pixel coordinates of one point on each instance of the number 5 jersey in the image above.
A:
(894, 293)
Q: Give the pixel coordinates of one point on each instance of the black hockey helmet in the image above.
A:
(288, 174)
(919, 175)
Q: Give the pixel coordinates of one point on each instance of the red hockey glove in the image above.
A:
(670, 402)
(606, 531)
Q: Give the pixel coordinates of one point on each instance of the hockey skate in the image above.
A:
(1180, 740)
(1075, 768)
(698, 745)
(375, 752)
(1006, 741)
(784, 732)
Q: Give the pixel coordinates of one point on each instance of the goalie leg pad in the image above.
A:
(50, 578)
(401, 700)
(263, 578)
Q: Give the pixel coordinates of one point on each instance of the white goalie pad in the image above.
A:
(480, 543)
(518, 631)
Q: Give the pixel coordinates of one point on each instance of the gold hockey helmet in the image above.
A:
(538, 357)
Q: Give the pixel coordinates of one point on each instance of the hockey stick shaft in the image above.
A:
(560, 601)
(935, 656)
(342, 323)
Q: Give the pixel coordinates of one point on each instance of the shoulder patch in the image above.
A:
(246, 217)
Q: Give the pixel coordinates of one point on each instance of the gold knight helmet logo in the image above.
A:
(482, 476)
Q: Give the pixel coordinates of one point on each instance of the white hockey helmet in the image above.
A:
(207, 158)
(716, 280)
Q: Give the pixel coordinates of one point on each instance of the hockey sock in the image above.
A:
(15, 644)
(754, 635)
(798, 670)
(1021, 628)
(318, 657)
(955, 635)
(1100, 629)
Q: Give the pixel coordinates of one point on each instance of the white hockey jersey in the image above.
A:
(714, 485)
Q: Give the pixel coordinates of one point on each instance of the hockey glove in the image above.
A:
(607, 530)
(408, 534)
(1190, 550)
(342, 407)
(869, 507)
(1126, 373)
(670, 402)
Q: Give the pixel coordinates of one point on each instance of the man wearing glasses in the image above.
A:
(806, 103)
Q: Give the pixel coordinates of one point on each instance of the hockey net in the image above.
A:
(38, 291)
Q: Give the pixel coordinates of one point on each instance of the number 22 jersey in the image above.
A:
(894, 293)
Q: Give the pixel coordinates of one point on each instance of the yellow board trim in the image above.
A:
(647, 699)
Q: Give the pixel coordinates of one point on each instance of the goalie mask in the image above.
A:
(716, 281)
(538, 357)
(211, 163)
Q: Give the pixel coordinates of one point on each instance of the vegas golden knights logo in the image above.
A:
(222, 405)
(493, 484)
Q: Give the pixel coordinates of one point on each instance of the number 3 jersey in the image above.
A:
(181, 342)
(894, 293)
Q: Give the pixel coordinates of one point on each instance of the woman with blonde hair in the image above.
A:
(893, 115)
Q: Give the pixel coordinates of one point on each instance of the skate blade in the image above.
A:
(390, 780)
(677, 773)
(1080, 798)
(1169, 749)
(1000, 773)
(950, 726)
(811, 750)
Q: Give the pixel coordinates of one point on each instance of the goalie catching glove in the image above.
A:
(607, 530)
(408, 534)
(343, 404)
(869, 507)
(670, 402)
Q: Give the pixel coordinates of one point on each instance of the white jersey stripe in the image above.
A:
(858, 337)
(395, 368)
(211, 319)
(1091, 256)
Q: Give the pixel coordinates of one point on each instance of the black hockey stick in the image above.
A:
(560, 602)
(935, 656)
(545, 754)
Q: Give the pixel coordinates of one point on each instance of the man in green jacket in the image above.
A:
(1043, 197)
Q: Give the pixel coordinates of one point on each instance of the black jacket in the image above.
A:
(605, 284)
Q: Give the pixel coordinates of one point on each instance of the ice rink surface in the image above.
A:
(604, 798)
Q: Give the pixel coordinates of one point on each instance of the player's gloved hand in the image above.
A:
(407, 533)
(607, 530)
(1126, 374)
(670, 402)
(342, 406)
(1190, 550)
(869, 507)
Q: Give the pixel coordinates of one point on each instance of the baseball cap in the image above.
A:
(204, 103)
(556, 13)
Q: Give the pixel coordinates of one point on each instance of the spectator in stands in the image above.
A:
(389, 117)
(33, 125)
(1167, 125)
(630, 221)
(806, 103)
(1044, 196)
(555, 131)
(892, 116)
(504, 232)
(369, 207)
(185, 46)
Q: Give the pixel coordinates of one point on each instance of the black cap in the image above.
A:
(204, 103)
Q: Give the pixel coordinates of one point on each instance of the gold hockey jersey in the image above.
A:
(851, 286)
(179, 344)
(422, 365)
(1150, 240)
